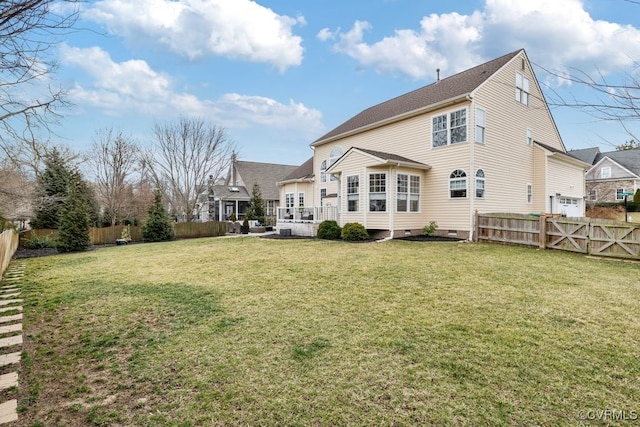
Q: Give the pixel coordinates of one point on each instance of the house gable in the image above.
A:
(608, 169)
(430, 97)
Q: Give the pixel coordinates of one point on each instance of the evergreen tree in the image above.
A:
(255, 210)
(158, 226)
(51, 192)
(74, 219)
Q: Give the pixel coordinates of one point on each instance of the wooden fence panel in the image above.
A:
(188, 230)
(620, 240)
(567, 234)
(8, 245)
(592, 236)
(109, 235)
(509, 228)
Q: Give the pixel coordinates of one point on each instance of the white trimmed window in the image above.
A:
(323, 193)
(458, 184)
(605, 172)
(480, 125)
(323, 171)
(300, 199)
(449, 128)
(522, 89)
(620, 194)
(377, 192)
(529, 193)
(480, 183)
(289, 200)
(408, 193)
(529, 137)
(353, 193)
(593, 195)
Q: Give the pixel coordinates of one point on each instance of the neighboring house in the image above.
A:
(613, 173)
(481, 140)
(234, 194)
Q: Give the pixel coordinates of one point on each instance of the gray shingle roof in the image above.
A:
(587, 155)
(303, 171)
(388, 156)
(630, 159)
(265, 174)
(448, 88)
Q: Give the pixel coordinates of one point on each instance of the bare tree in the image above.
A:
(186, 154)
(113, 159)
(28, 29)
(614, 101)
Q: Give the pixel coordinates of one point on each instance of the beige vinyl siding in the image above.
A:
(617, 172)
(565, 179)
(411, 138)
(355, 164)
(505, 157)
(540, 191)
(296, 188)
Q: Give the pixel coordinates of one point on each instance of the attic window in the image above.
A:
(234, 189)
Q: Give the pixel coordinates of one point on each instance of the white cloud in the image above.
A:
(557, 33)
(325, 34)
(133, 88)
(238, 29)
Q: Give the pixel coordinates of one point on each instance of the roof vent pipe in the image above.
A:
(437, 74)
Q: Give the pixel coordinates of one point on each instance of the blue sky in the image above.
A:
(277, 74)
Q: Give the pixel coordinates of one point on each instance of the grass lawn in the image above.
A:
(249, 331)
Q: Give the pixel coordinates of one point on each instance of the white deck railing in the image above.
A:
(314, 214)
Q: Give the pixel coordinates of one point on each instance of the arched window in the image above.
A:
(323, 171)
(480, 184)
(458, 184)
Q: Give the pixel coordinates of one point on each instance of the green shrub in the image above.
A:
(329, 230)
(430, 230)
(636, 197)
(40, 242)
(354, 231)
(158, 226)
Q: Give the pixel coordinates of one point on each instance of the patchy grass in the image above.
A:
(249, 331)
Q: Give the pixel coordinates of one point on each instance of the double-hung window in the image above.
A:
(449, 128)
(480, 125)
(353, 193)
(458, 184)
(300, 199)
(377, 192)
(408, 193)
(605, 172)
(480, 183)
(529, 193)
(323, 171)
(620, 194)
(522, 89)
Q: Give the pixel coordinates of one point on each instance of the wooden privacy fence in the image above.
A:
(108, 235)
(601, 237)
(8, 245)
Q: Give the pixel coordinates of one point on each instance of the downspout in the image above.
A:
(392, 225)
(472, 178)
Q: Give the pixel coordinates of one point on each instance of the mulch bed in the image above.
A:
(421, 238)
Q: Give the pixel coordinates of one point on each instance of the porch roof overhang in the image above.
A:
(378, 158)
(292, 181)
(562, 156)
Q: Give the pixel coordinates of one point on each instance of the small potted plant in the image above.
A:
(244, 229)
